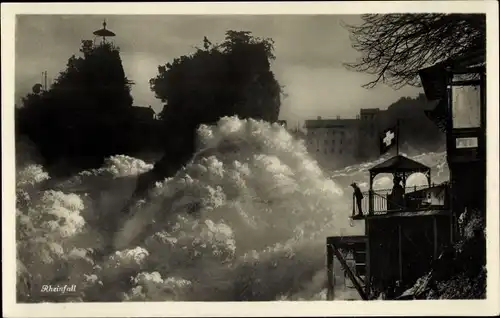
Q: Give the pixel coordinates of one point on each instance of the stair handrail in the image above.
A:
(347, 269)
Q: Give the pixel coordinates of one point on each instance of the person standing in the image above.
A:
(397, 194)
(358, 195)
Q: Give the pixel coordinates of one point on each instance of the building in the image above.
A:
(369, 127)
(459, 84)
(333, 142)
(404, 233)
(341, 141)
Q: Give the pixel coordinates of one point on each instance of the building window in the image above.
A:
(466, 102)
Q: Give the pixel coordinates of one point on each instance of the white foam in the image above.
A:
(246, 218)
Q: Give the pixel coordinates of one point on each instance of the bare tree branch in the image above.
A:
(395, 47)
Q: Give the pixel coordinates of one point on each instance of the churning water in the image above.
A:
(246, 219)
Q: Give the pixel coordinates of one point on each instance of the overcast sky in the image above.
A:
(309, 53)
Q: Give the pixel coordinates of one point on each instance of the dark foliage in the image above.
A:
(395, 46)
(86, 115)
(228, 79)
(232, 78)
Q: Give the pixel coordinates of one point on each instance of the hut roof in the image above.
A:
(399, 163)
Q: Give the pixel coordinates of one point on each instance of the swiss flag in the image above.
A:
(388, 139)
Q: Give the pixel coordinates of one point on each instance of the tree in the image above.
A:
(395, 46)
(81, 114)
(232, 78)
(97, 78)
(226, 79)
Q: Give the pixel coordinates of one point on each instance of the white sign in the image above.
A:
(470, 142)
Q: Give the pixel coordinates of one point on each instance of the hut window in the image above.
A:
(466, 105)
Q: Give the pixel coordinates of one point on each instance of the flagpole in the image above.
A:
(397, 137)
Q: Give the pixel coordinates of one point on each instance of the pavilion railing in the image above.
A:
(416, 198)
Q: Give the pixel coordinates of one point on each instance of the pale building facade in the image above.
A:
(333, 142)
(339, 142)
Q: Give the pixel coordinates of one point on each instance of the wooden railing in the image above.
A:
(415, 198)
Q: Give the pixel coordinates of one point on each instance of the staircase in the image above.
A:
(357, 246)
(359, 258)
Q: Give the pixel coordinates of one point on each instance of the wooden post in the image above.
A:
(400, 249)
(367, 259)
(452, 223)
(397, 137)
(435, 237)
(353, 205)
(449, 205)
(370, 195)
(329, 266)
(370, 202)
